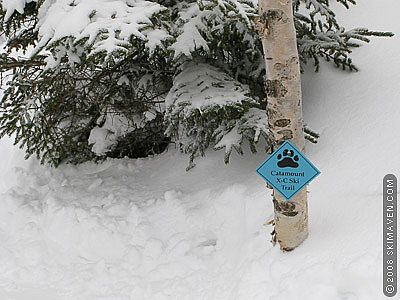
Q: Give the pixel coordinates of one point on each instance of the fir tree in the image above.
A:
(89, 79)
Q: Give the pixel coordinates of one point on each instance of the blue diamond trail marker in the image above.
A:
(287, 170)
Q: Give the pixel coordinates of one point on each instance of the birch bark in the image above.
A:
(284, 110)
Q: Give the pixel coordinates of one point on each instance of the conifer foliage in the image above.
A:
(84, 80)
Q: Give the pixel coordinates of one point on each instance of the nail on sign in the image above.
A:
(287, 170)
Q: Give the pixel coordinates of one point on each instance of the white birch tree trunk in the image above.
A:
(284, 109)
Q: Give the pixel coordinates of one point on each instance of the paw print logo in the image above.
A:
(287, 159)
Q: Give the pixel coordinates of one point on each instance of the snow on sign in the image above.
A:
(287, 170)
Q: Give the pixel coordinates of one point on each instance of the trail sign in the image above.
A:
(287, 170)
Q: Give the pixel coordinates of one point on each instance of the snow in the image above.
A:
(147, 229)
(111, 127)
(201, 86)
(190, 38)
(232, 139)
(255, 118)
(10, 6)
(103, 25)
(101, 140)
(199, 19)
(118, 231)
(155, 38)
(105, 137)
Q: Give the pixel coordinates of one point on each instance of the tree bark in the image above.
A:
(284, 110)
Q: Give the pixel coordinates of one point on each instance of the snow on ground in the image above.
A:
(119, 231)
(146, 229)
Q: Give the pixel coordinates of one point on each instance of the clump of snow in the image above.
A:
(155, 38)
(255, 119)
(232, 139)
(200, 86)
(111, 127)
(102, 140)
(10, 6)
(190, 38)
(251, 126)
